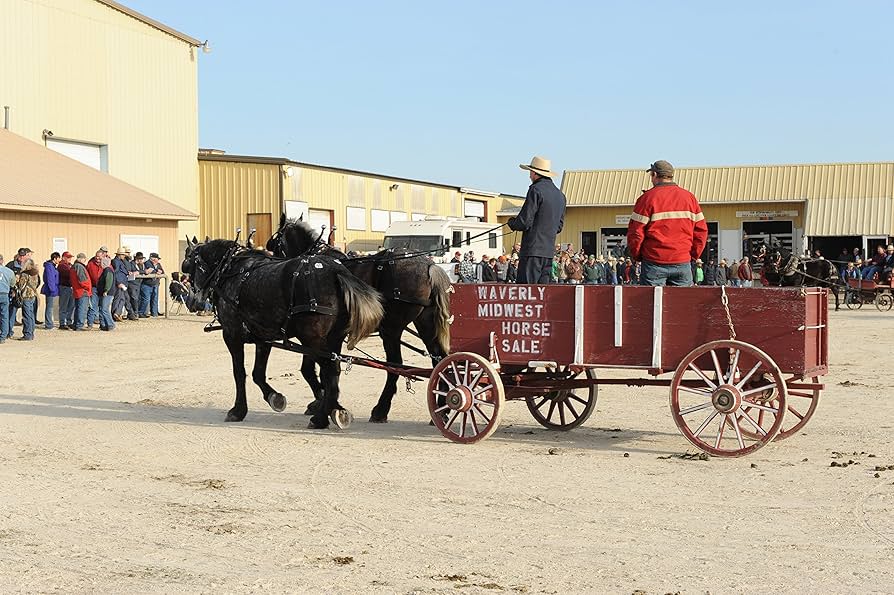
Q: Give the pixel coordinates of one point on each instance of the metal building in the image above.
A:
(239, 191)
(806, 207)
(116, 91)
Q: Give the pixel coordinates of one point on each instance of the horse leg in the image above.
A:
(237, 353)
(391, 343)
(309, 372)
(277, 401)
(425, 324)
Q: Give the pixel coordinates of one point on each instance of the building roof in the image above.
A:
(755, 183)
(151, 22)
(218, 155)
(34, 178)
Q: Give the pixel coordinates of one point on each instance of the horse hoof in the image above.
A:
(377, 420)
(341, 418)
(311, 408)
(234, 417)
(277, 402)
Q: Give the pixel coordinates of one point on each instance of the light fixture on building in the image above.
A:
(206, 47)
(288, 171)
(394, 187)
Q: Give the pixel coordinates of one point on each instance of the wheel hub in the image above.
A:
(726, 398)
(459, 398)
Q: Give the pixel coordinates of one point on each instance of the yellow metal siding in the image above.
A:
(850, 217)
(229, 191)
(90, 73)
(84, 234)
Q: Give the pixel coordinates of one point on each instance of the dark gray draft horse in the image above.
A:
(261, 299)
(415, 291)
(781, 268)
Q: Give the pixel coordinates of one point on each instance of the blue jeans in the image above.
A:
(105, 312)
(48, 311)
(92, 308)
(79, 316)
(66, 306)
(870, 271)
(678, 275)
(153, 301)
(4, 317)
(28, 318)
(145, 296)
(13, 312)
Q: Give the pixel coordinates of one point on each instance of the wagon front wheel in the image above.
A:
(465, 397)
(884, 302)
(718, 391)
(565, 409)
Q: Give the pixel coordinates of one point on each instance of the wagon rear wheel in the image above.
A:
(801, 404)
(884, 302)
(716, 391)
(465, 397)
(853, 300)
(565, 409)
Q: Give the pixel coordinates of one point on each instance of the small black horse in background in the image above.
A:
(414, 289)
(261, 299)
(781, 268)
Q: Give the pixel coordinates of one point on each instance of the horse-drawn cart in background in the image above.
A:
(866, 291)
(745, 363)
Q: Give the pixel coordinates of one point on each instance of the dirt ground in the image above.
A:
(119, 475)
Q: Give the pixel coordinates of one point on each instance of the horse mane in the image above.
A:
(306, 235)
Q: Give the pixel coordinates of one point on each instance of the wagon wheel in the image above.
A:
(884, 302)
(465, 397)
(712, 412)
(853, 300)
(801, 405)
(564, 409)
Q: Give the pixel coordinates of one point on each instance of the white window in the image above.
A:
(398, 216)
(356, 192)
(145, 244)
(474, 208)
(95, 156)
(60, 245)
(296, 209)
(379, 220)
(357, 218)
(417, 216)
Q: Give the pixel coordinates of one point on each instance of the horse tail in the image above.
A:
(440, 297)
(364, 306)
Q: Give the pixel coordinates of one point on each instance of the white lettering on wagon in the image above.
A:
(525, 335)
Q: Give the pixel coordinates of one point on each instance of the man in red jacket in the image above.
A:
(667, 230)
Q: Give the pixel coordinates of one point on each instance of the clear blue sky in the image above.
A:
(462, 92)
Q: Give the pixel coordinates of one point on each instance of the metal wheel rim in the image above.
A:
(696, 409)
(580, 408)
(476, 373)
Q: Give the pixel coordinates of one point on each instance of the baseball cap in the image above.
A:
(154, 255)
(67, 254)
(81, 255)
(24, 251)
(103, 249)
(662, 168)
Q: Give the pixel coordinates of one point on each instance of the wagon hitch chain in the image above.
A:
(724, 299)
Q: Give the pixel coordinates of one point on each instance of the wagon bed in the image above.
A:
(746, 362)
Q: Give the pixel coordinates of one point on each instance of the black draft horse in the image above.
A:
(784, 269)
(414, 289)
(261, 299)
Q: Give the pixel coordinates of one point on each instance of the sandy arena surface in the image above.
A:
(119, 475)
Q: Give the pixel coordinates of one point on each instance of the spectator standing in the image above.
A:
(746, 273)
(50, 289)
(81, 293)
(611, 275)
(621, 271)
(488, 271)
(734, 274)
(574, 271)
(27, 284)
(15, 265)
(120, 296)
(502, 268)
(66, 301)
(94, 270)
(667, 229)
(632, 272)
(107, 289)
(133, 286)
(159, 272)
(140, 303)
(7, 280)
(722, 273)
(541, 218)
(710, 273)
(699, 272)
(594, 272)
(512, 271)
(466, 271)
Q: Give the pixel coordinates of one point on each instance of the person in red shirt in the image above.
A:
(667, 230)
(82, 291)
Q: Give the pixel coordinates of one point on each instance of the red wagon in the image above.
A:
(744, 364)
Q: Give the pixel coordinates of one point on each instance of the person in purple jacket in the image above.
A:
(50, 288)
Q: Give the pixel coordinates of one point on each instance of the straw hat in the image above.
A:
(539, 165)
(890, 247)
(122, 250)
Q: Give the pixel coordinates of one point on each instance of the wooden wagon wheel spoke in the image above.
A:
(745, 412)
(482, 413)
(567, 409)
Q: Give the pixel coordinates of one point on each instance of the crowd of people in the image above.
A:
(83, 293)
(877, 267)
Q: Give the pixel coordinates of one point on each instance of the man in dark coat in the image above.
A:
(541, 219)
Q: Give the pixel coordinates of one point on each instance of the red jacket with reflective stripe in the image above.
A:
(667, 226)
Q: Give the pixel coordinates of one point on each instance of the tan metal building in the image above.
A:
(114, 90)
(806, 207)
(239, 191)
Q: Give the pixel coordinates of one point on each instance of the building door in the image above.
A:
(261, 223)
(317, 218)
(755, 232)
(588, 241)
(614, 241)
